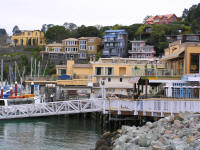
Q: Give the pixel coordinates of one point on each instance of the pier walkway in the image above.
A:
(155, 107)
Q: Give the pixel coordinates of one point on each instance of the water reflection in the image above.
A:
(53, 133)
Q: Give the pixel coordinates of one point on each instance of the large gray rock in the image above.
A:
(143, 141)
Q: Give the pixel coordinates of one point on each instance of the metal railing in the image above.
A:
(156, 73)
(155, 106)
(48, 109)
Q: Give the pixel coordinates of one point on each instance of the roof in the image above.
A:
(167, 16)
(29, 30)
(88, 38)
(116, 31)
(172, 56)
(109, 36)
(55, 44)
(82, 66)
(70, 39)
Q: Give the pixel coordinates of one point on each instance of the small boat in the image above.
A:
(19, 100)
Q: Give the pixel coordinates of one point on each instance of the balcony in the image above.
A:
(157, 73)
(140, 51)
(115, 40)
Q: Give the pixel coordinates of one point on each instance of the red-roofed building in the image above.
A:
(162, 19)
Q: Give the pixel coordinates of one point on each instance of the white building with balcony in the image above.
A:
(141, 50)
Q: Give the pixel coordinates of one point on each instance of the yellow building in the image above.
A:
(80, 74)
(118, 74)
(29, 38)
(183, 58)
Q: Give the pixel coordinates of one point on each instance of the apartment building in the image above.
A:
(141, 50)
(80, 50)
(29, 38)
(71, 48)
(115, 43)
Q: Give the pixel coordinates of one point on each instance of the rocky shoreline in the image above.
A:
(171, 133)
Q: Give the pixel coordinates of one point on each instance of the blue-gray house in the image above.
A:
(115, 43)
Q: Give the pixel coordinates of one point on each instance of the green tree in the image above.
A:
(89, 31)
(57, 34)
(191, 17)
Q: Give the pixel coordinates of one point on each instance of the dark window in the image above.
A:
(194, 63)
(120, 79)
(98, 70)
(109, 79)
(2, 103)
(110, 71)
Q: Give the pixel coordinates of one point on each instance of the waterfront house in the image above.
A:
(162, 19)
(115, 43)
(29, 38)
(141, 50)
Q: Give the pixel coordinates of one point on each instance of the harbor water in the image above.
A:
(49, 133)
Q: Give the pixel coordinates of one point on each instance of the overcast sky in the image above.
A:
(32, 14)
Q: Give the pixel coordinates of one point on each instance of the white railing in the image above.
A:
(47, 109)
(153, 106)
(98, 105)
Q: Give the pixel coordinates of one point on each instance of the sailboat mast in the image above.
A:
(31, 66)
(1, 72)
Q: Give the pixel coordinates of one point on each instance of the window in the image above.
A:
(90, 47)
(2, 103)
(82, 47)
(99, 70)
(35, 33)
(109, 79)
(83, 42)
(194, 63)
(91, 40)
(192, 38)
(29, 33)
(47, 49)
(83, 55)
(120, 79)
(61, 71)
(109, 70)
(56, 49)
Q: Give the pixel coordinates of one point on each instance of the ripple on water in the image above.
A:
(53, 133)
